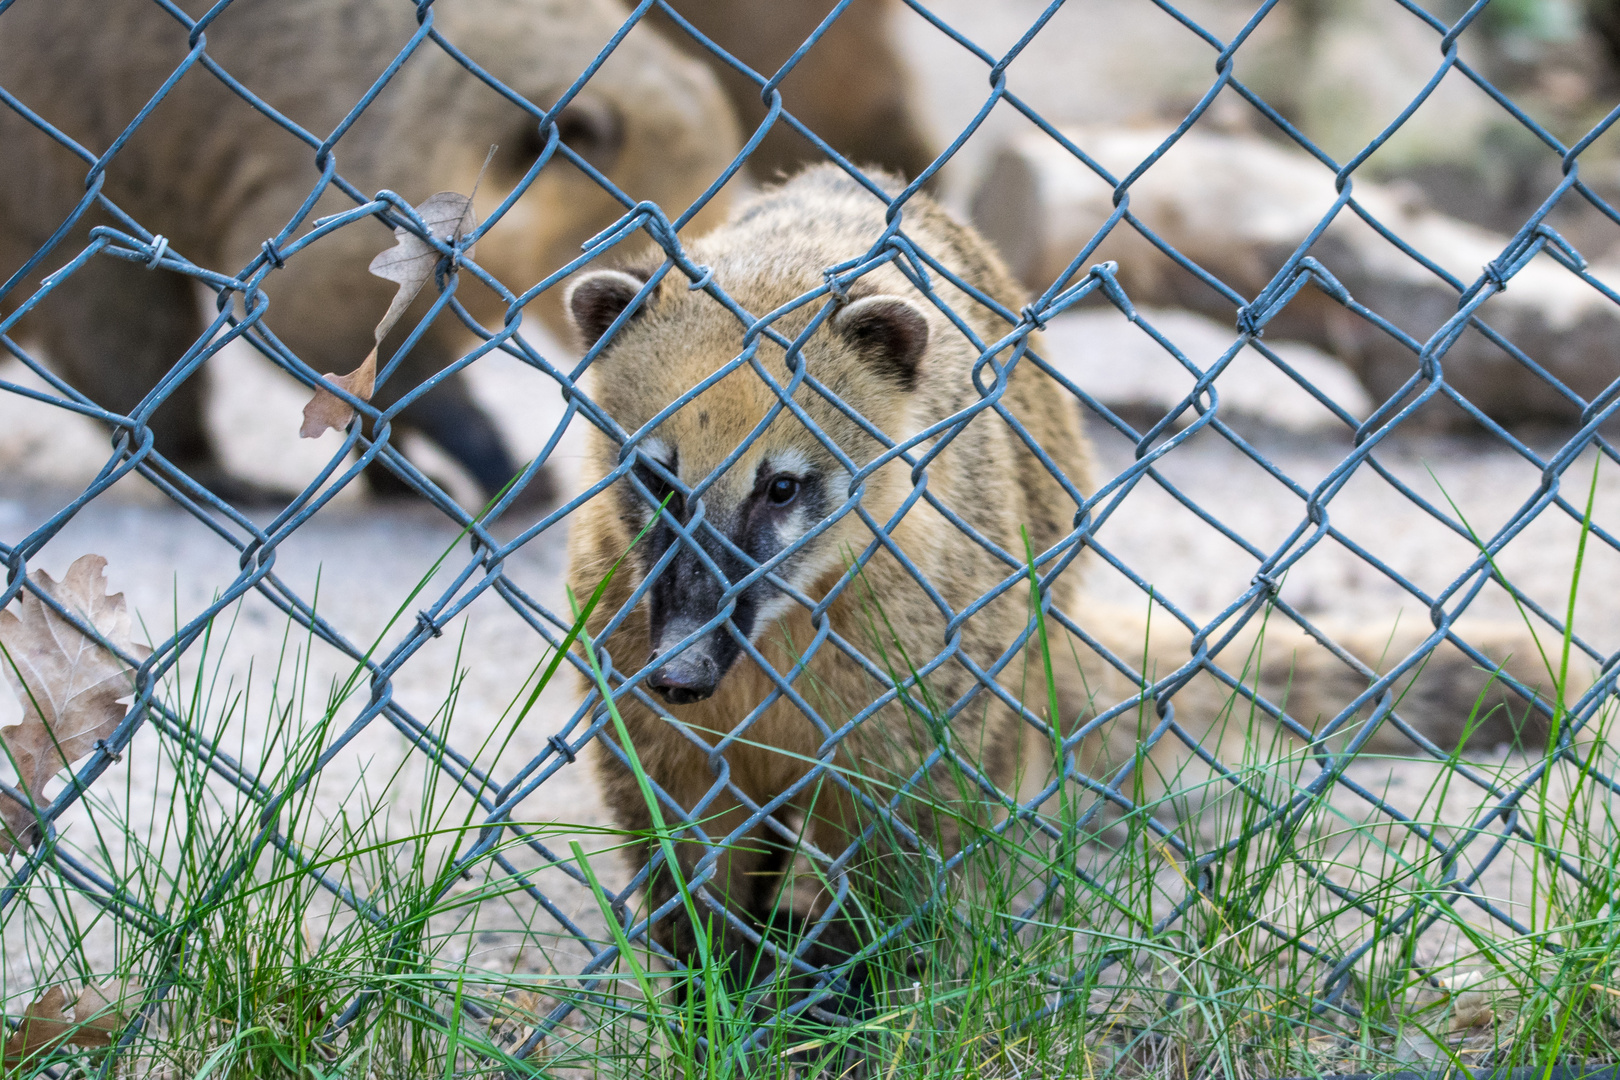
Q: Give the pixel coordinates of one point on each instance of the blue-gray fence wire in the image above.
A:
(244, 303)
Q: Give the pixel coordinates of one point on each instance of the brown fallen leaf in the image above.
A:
(101, 1012)
(409, 263)
(69, 685)
(45, 1026)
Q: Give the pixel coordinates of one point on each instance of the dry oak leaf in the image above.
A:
(100, 1010)
(409, 264)
(69, 684)
(45, 1026)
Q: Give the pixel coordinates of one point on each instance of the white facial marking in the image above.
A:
(658, 450)
(793, 461)
(775, 607)
(654, 449)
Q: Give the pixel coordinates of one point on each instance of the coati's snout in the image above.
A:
(683, 601)
(687, 679)
(697, 583)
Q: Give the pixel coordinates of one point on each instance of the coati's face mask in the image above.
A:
(736, 554)
(733, 543)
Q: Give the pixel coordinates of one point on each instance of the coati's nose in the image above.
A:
(688, 678)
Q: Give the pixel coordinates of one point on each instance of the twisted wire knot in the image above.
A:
(560, 744)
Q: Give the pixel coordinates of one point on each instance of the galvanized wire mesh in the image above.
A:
(1460, 856)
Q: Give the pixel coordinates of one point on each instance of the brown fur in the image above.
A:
(851, 88)
(218, 178)
(771, 252)
(765, 256)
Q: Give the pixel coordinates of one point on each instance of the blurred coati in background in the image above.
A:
(218, 178)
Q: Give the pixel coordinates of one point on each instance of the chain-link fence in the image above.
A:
(839, 777)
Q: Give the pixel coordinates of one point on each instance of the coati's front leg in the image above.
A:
(764, 878)
(743, 877)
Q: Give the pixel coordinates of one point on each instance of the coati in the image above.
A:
(850, 88)
(218, 178)
(750, 677)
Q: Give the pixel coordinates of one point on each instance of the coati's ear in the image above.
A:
(598, 298)
(890, 330)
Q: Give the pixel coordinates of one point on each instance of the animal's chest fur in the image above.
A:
(895, 628)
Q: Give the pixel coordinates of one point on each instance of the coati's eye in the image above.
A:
(592, 128)
(782, 490)
(520, 151)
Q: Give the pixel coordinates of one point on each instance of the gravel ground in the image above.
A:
(366, 558)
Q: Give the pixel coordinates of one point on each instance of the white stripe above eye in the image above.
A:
(791, 460)
(658, 450)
